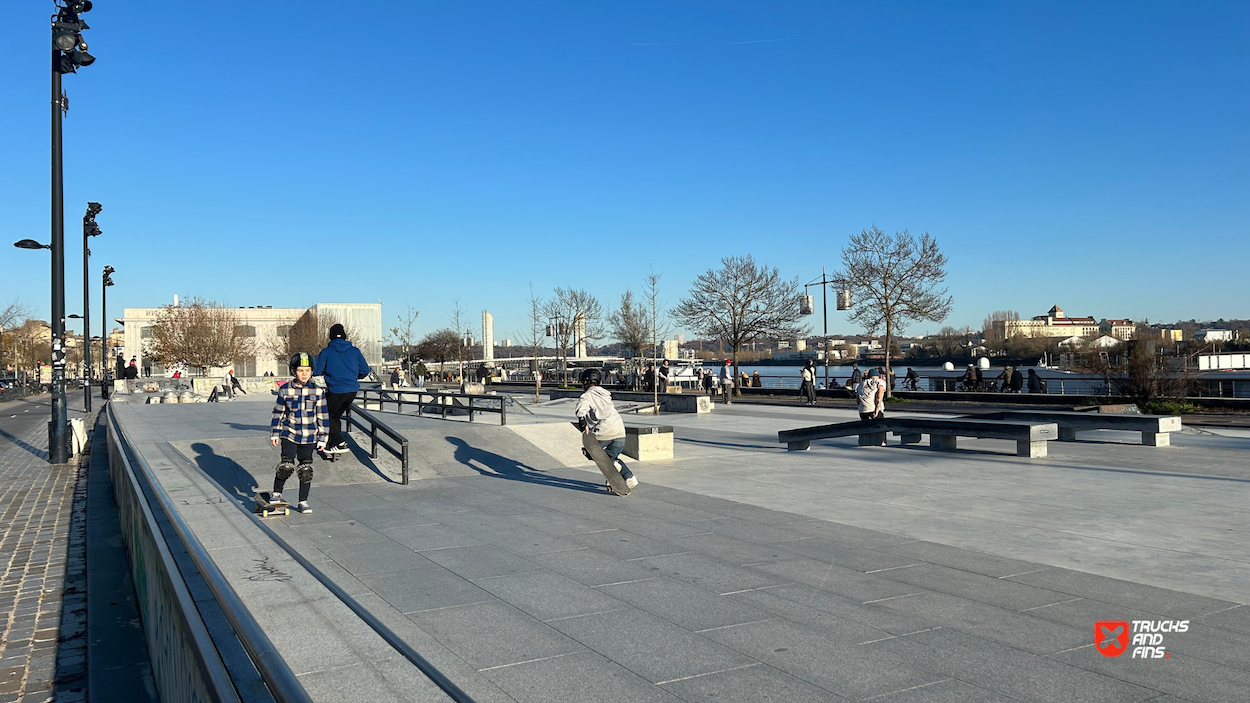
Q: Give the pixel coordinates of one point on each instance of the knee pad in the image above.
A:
(305, 473)
(285, 469)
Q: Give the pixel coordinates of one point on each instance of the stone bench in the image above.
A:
(1030, 437)
(1154, 429)
(649, 443)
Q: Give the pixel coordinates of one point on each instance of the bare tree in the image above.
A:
(532, 336)
(995, 332)
(577, 315)
(199, 334)
(629, 324)
(309, 333)
(740, 303)
(441, 346)
(657, 323)
(11, 316)
(458, 324)
(402, 333)
(894, 280)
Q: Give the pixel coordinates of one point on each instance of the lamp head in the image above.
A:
(31, 244)
(108, 270)
(94, 209)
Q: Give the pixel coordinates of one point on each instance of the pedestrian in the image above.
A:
(342, 366)
(707, 381)
(726, 383)
(395, 377)
(664, 376)
(871, 395)
(857, 376)
(1035, 382)
(420, 373)
(131, 374)
(756, 381)
(807, 388)
(1017, 380)
(234, 383)
(596, 415)
(299, 425)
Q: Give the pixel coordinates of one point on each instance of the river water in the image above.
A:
(932, 377)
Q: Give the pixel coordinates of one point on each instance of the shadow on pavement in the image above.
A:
(236, 480)
(492, 464)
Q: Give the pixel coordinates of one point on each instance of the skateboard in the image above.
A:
(267, 509)
(591, 448)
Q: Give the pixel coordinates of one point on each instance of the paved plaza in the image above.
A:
(737, 570)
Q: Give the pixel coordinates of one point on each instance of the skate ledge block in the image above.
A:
(649, 443)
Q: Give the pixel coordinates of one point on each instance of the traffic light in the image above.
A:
(69, 48)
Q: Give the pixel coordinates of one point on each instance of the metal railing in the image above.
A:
(952, 384)
(437, 402)
(278, 677)
(400, 450)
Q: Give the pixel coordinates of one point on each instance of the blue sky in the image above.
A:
(1088, 154)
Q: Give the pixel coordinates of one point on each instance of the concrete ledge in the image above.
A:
(669, 402)
(649, 443)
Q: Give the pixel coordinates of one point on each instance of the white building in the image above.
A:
(267, 324)
(488, 336)
(1055, 323)
(1213, 336)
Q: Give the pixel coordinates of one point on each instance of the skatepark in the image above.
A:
(735, 571)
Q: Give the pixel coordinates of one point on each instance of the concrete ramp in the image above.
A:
(559, 440)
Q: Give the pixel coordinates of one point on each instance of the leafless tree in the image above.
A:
(12, 315)
(991, 330)
(575, 314)
(458, 324)
(657, 322)
(309, 333)
(402, 332)
(741, 302)
(894, 281)
(630, 325)
(532, 336)
(440, 345)
(198, 334)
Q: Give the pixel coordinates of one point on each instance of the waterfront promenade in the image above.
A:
(737, 571)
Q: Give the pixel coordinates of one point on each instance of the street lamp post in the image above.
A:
(104, 331)
(89, 229)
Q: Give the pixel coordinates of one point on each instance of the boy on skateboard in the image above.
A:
(300, 423)
(596, 415)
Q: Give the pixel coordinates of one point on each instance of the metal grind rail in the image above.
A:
(400, 450)
(439, 402)
(278, 677)
(395, 641)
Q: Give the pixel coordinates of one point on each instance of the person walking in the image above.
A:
(1035, 382)
(131, 374)
(234, 383)
(664, 376)
(857, 376)
(871, 395)
(342, 366)
(395, 378)
(756, 381)
(1017, 380)
(807, 388)
(726, 383)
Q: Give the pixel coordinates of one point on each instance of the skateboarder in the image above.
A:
(596, 414)
(300, 422)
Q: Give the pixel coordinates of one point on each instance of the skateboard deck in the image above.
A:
(267, 509)
(615, 482)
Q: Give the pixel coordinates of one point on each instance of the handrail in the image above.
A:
(396, 396)
(279, 678)
(216, 676)
(400, 453)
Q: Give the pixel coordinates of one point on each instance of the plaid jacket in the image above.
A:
(300, 414)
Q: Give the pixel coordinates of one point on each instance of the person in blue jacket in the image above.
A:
(342, 366)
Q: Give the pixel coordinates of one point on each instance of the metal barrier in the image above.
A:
(440, 402)
(129, 470)
(400, 452)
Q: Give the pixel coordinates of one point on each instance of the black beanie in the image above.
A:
(337, 332)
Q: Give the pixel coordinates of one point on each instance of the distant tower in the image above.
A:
(579, 337)
(488, 336)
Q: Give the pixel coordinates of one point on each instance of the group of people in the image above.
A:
(1009, 381)
(418, 372)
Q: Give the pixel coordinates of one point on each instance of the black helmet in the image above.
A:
(300, 359)
(591, 377)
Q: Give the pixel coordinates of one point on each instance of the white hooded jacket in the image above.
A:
(595, 407)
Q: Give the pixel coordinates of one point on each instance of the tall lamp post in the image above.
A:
(104, 331)
(69, 51)
(807, 307)
(89, 229)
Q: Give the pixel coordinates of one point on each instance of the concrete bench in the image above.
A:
(1154, 429)
(1030, 437)
(649, 443)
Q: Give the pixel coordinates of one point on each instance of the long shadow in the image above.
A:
(733, 445)
(498, 466)
(241, 426)
(37, 451)
(227, 472)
